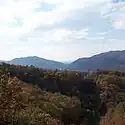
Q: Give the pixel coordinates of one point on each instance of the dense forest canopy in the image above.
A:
(33, 96)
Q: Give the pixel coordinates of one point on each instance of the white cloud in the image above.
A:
(102, 33)
(56, 36)
(115, 14)
(96, 38)
(25, 31)
(119, 25)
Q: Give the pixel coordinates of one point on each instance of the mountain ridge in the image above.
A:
(37, 62)
(111, 60)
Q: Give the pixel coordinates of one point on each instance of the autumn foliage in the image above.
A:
(33, 96)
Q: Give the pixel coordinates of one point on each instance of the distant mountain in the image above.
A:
(38, 62)
(112, 60)
(1, 61)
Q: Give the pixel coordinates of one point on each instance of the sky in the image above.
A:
(60, 30)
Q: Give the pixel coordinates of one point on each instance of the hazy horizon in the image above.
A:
(63, 61)
(61, 30)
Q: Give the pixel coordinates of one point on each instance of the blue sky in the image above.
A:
(61, 30)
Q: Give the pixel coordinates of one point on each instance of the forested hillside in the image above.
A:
(31, 96)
